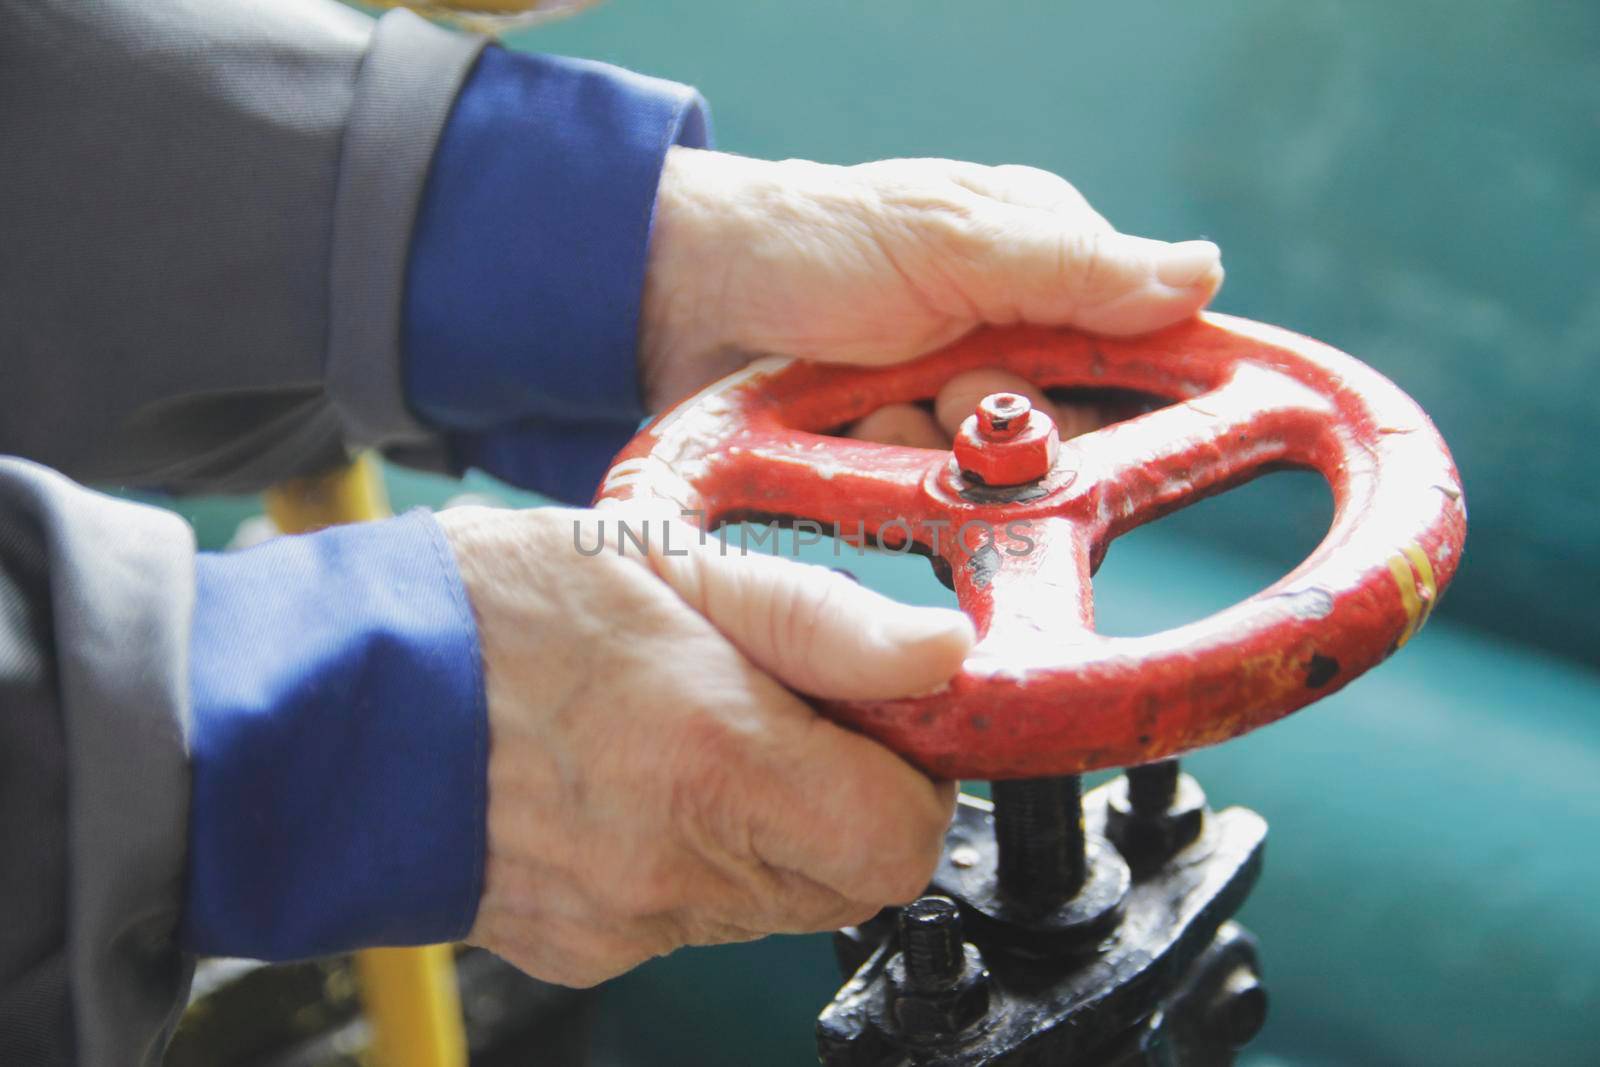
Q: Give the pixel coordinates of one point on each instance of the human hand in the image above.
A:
(882, 262)
(654, 778)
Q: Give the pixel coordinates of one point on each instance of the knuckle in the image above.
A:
(935, 211)
(710, 795)
(895, 868)
(694, 929)
(817, 599)
(970, 236)
(603, 966)
(584, 975)
(854, 913)
(1038, 180)
(567, 957)
(1081, 261)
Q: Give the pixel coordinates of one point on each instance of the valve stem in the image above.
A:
(1038, 824)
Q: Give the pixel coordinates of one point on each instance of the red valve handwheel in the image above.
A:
(1042, 693)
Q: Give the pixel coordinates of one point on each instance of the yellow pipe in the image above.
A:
(353, 493)
(412, 1006)
(410, 995)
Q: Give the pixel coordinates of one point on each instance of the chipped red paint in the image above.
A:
(1042, 693)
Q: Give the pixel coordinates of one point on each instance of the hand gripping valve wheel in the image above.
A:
(1062, 928)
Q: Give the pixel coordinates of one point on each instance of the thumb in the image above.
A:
(814, 629)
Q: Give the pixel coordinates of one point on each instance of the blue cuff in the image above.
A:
(339, 745)
(527, 264)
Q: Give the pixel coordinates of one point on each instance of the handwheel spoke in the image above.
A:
(1145, 467)
(859, 487)
(1028, 593)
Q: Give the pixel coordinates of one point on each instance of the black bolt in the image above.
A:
(1038, 826)
(1153, 787)
(1239, 1009)
(938, 984)
(930, 937)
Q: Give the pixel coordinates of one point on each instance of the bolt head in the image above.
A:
(1001, 416)
(1007, 442)
(924, 1016)
(1149, 840)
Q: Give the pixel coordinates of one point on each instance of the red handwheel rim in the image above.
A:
(1042, 693)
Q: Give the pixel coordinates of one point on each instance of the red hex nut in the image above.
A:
(1001, 416)
(1006, 442)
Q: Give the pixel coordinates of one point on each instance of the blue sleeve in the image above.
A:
(338, 745)
(527, 263)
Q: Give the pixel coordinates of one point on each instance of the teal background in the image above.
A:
(1417, 183)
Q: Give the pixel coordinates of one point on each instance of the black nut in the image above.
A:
(1149, 834)
(922, 1015)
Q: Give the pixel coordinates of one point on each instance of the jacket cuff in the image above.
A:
(339, 745)
(408, 81)
(528, 262)
(100, 592)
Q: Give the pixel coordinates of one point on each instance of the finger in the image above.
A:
(959, 396)
(813, 906)
(1014, 263)
(814, 629)
(1113, 283)
(901, 424)
(577, 954)
(851, 815)
(1117, 283)
(1030, 187)
(783, 902)
(1075, 419)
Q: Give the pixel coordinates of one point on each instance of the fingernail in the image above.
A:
(1188, 263)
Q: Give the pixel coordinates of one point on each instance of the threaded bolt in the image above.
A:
(1038, 824)
(1152, 788)
(931, 939)
(1001, 416)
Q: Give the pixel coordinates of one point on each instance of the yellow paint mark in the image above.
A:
(1419, 589)
(1430, 585)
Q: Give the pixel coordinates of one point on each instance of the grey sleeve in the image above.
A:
(205, 207)
(205, 210)
(95, 603)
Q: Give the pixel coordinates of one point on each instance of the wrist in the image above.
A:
(675, 315)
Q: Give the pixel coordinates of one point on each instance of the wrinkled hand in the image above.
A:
(656, 777)
(654, 780)
(885, 261)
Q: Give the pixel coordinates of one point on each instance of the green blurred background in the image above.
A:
(1417, 183)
